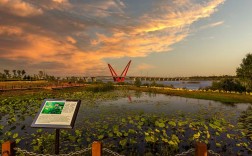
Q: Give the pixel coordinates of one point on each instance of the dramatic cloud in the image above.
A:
(10, 30)
(76, 36)
(19, 8)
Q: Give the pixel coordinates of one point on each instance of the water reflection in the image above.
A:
(138, 94)
(160, 103)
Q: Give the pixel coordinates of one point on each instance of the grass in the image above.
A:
(23, 83)
(216, 96)
(220, 97)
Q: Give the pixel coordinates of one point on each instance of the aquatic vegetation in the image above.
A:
(245, 122)
(151, 133)
(126, 131)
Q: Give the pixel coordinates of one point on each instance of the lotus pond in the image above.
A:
(131, 123)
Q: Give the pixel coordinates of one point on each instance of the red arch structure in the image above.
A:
(120, 78)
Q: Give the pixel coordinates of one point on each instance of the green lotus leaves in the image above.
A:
(123, 142)
(245, 123)
(122, 129)
(78, 133)
(196, 135)
(15, 135)
(172, 123)
(160, 124)
(218, 144)
(131, 131)
(123, 120)
(100, 137)
(17, 140)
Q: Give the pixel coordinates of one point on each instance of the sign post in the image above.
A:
(57, 135)
(57, 114)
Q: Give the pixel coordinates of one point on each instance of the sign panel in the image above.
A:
(57, 114)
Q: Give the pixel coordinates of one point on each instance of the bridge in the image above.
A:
(154, 78)
(134, 78)
(123, 76)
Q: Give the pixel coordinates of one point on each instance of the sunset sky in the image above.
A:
(161, 37)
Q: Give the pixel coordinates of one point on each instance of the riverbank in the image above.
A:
(197, 94)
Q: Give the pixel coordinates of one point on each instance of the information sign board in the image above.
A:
(57, 114)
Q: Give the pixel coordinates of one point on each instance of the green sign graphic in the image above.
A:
(53, 107)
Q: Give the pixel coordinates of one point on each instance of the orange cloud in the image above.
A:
(10, 30)
(60, 1)
(19, 8)
(144, 66)
(154, 34)
(77, 37)
(71, 40)
(45, 49)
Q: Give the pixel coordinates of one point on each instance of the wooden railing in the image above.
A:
(96, 149)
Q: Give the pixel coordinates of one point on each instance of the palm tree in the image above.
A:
(23, 72)
(19, 73)
(7, 73)
(2, 76)
(14, 73)
(41, 74)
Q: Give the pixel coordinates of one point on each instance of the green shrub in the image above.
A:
(138, 83)
(228, 84)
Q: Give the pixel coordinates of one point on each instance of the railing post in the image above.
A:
(97, 148)
(201, 149)
(8, 148)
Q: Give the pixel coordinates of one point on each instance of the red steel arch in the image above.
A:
(120, 78)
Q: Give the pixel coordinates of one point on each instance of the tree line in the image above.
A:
(16, 74)
(21, 75)
(242, 83)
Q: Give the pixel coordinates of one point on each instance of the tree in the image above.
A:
(41, 75)
(7, 73)
(19, 73)
(138, 82)
(14, 73)
(2, 76)
(228, 84)
(153, 83)
(23, 72)
(244, 72)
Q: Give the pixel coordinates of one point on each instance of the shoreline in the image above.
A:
(229, 98)
(224, 97)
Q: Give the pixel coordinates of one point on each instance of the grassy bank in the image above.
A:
(207, 95)
(221, 97)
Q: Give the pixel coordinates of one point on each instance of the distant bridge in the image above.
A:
(134, 78)
(157, 78)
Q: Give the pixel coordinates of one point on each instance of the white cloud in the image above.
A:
(211, 25)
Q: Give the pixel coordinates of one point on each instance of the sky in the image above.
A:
(166, 38)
